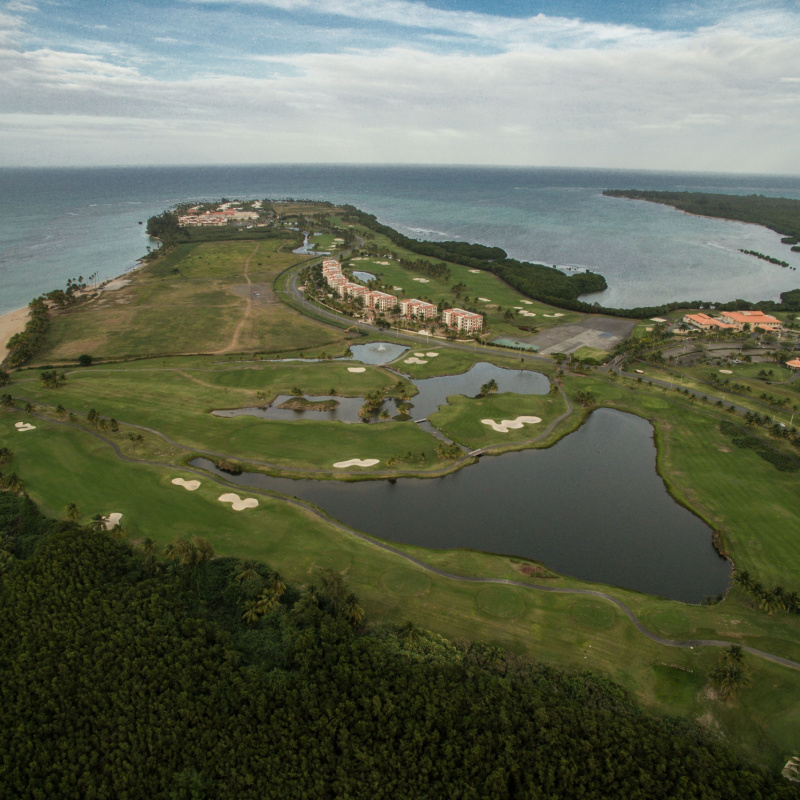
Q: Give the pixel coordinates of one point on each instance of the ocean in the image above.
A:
(57, 224)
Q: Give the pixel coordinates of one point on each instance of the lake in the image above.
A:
(592, 507)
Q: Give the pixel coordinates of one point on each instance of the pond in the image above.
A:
(377, 352)
(346, 410)
(592, 507)
(366, 277)
(433, 392)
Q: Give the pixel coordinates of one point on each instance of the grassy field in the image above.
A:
(196, 298)
(190, 301)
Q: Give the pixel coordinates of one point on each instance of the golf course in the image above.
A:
(218, 323)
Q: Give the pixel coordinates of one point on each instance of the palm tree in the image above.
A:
(249, 579)
(770, 602)
(148, 546)
(411, 633)
(730, 675)
(276, 584)
(73, 512)
(13, 483)
(98, 523)
(5, 455)
(251, 614)
(743, 579)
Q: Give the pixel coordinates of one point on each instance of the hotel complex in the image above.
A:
(457, 318)
(732, 321)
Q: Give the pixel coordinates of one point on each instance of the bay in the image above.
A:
(61, 223)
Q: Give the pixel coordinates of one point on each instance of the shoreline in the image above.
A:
(10, 323)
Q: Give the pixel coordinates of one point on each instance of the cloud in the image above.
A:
(539, 30)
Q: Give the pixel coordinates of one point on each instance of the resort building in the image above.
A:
(462, 320)
(336, 280)
(380, 301)
(418, 308)
(794, 363)
(353, 290)
(755, 319)
(702, 322)
(223, 216)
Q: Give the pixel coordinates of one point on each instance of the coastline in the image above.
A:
(11, 323)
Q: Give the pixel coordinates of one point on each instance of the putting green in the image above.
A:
(593, 614)
(501, 601)
(406, 582)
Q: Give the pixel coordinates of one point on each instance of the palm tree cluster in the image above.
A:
(769, 600)
(51, 379)
(730, 674)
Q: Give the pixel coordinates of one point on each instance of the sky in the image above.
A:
(707, 86)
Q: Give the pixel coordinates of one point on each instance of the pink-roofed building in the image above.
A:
(755, 319)
(418, 308)
(353, 290)
(702, 322)
(380, 301)
(335, 281)
(462, 320)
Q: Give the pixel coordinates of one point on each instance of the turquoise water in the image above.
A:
(61, 223)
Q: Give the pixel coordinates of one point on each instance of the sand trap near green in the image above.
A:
(237, 503)
(112, 520)
(356, 369)
(190, 486)
(24, 426)
(506, 425)
(357, 462)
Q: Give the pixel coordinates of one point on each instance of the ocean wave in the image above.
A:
(426, 231)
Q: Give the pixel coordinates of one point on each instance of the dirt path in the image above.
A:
(234, 343)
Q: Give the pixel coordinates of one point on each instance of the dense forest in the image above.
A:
(779, 214)
(127, 676)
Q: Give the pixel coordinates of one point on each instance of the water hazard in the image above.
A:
(592, 507)
(432, 392)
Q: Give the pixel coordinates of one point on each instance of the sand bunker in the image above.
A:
(397, 288)
(112, 520)
(415, 360)
(431, 355)
(527, 313)
(190, 486)
(383, 263)
(484, 300)
(24, 426)
(338, 240)
(356, 369)
(420, 355)
(527, 302)
(475, 271)
(237, 503)
(657, 319)
(648, 329)
(421, 280)
(357, 462)
(726, 371)
(505, 425)
(553, 315)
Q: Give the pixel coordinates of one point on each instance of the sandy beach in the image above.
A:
(11, 323)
